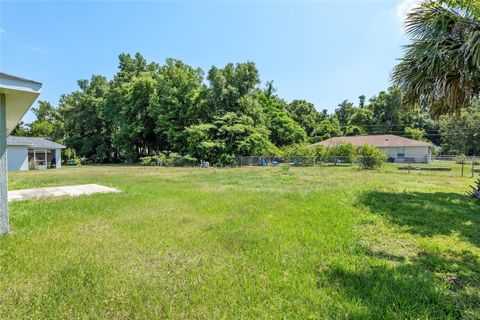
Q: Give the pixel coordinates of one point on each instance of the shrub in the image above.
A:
(284, 168)
(345, 152)
(146, 161)
(370, 157)
(300, 154)
(172, 159)
(225, 160)
(461, 158)
(187, 160)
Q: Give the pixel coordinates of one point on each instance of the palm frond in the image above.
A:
(441, 66)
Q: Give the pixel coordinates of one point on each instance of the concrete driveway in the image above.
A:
(54, 192)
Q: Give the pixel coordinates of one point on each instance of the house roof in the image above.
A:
(12, 77)
(379, 141)
(20, 94)
(33, 142)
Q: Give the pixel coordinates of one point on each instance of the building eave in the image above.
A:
(20, 94)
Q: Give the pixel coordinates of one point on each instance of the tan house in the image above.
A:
(398, 149)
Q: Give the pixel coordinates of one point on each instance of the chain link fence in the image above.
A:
(320, 160)
(467, 166)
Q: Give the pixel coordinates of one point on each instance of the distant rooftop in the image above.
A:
(33, 142)
(379, 141)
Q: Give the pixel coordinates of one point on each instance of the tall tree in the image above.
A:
(461, 134)
(387, 109)
(136, 134)
(283, 129)
(304, 113)
(441, 65)
(83, 125)
(48, 122)
(178, 103)
(344, 112)
(228, 85)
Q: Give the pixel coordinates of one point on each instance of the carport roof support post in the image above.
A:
(3, 167)
(17, 96)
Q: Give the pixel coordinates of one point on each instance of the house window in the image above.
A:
(400, 152)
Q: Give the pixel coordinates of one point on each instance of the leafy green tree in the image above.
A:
(304, 113)
(228, 85)
(387, 110)
(461, 135)
(352, 130)
(137, 133)
(42, 129)
(21, 130)
(201, 142)
(177, 103)
(344, 111)
(83, 125)
(415, 134)
(229, 135)
(48, 123)
(362, 118)
(329, 128)
(241, 136)
(361, 101)
(283, 129)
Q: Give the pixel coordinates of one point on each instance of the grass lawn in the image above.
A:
(330, 242)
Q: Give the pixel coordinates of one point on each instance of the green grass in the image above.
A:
(326, 243)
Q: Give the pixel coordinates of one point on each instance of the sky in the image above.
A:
(323, 52)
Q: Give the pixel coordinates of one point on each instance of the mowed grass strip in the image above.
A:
(331, 242)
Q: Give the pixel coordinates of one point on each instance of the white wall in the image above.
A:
(421, 154)
(17, 158)
(390, 152)
(58, 157)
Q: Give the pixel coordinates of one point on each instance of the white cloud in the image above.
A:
(35, 49)
(405, 7)
(2, 30)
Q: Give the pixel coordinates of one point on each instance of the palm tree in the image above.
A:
(441, 66)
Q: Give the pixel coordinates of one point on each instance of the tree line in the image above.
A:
(149, 108)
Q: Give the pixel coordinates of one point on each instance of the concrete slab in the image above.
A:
(54, 192)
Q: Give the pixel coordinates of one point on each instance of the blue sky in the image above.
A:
(323, 52)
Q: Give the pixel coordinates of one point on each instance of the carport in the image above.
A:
(16, 96)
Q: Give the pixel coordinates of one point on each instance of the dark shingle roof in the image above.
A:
(33, 142)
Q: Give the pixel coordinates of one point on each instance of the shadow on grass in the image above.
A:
(428, 214)
(429, 286)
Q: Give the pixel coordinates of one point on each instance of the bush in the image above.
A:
(225, 160)
(146, 161)
(461, 158)
(173, 159)
(345, 152)
(370, 157)
(300, 154)
(187, 160)
(284, 168)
